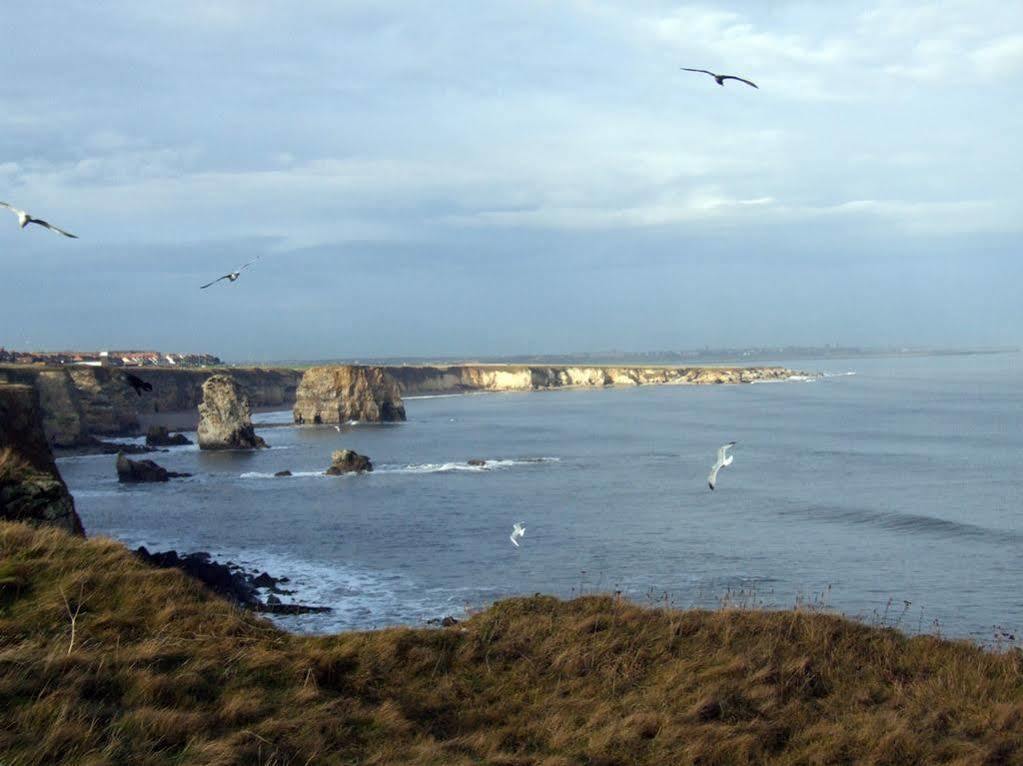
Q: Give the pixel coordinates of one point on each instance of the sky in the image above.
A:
(514, 177)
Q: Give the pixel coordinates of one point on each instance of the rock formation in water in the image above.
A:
(340, 393)
(348, 461)
(225, 419)
(142, 471)
(159, 436)
(31, 489)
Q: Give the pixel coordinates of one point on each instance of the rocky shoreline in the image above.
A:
(231, 581)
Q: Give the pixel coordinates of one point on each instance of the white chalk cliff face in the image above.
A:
(225, 418)
(464, 378)
(339, 393)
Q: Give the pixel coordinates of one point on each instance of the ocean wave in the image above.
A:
(838, 374)
(359, 598)
(913, 523)
(489, 465)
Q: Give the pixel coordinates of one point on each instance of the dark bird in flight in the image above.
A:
(137, 383)
(24, 219)
(232, 276)
(720, 78)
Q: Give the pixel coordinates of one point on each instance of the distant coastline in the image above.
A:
(756, 356)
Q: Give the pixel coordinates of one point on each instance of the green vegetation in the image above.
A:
(106, 661)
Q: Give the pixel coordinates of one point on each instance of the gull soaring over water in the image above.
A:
(232, 276)
(720, 78)
(721, 462)
(24, 219)
(518, 532)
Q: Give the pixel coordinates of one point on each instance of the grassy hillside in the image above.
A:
(106, 661)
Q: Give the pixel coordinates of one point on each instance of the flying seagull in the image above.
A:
(518, 532)
(24, 219)
(137, 383)
(720, 463)
(720, 78)
(337, 428)
(232, 276)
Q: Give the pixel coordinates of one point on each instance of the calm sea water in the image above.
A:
(899, 483)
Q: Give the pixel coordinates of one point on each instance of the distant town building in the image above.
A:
(109, 358)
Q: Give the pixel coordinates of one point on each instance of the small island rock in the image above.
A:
(348, 461)
(140, 471)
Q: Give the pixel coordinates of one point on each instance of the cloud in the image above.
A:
(1001, 57)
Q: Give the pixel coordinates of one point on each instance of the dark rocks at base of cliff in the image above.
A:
(159, 436)
(225, 417)
(348, 461)
(31, 488)
(143, 471)
(93, 446)
(230, 581)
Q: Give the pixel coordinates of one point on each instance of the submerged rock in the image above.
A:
(478, 462)
(225, 419)
(31, 488)
(348, 461)
(283, 473)
(343, 393)
(141, 471)
(158, 436)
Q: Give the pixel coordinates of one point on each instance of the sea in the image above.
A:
(889, 490)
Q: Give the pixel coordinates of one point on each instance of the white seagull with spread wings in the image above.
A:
(24, 219)
(723, 460)
(232, 276)
(720, 78)
(518, 532)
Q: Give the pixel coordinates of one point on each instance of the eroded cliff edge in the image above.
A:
(80, 402)
(419, 380)
(31, 488)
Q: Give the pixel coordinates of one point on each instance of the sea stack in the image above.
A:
(31, 489)
(340, 393)
(225, 419)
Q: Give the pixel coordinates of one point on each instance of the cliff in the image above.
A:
(79, 401)
(467, 378)
(337, 394)
(31, 488)
(158, 670)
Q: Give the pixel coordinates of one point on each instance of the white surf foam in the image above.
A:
(489, 465)
(359, 598)
(265, 475)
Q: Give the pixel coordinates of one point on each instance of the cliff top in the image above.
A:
(106, 660)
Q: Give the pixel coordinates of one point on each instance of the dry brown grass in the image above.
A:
(162, 672)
